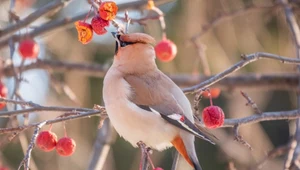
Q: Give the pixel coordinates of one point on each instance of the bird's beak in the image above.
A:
(114, 34)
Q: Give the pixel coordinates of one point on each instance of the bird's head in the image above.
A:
(134, 50)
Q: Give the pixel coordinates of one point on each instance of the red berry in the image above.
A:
(29, 49)
(165, 50)
(158, 168)
(65, 146)
(46, 140)
(98, 25)
(213, 116)
(3, 93)
(4, 168)
(214, 92)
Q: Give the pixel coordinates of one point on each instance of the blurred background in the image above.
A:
(261, 28)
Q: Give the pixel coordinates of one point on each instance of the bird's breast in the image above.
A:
(132, 122)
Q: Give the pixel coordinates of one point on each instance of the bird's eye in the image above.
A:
(123, 44)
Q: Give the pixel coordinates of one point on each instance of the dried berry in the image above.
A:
(214, 92)
(65, 146)
(165, 50)
(213, 116)
(46, 141)
(99, 24)
(85, 32)
(28, 49)
(108, 10)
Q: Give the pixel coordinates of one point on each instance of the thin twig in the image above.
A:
(79, 115)
(37, 108)
(265, 116)
(272, 154)
(251, 103)
(26, 161)
(288, 162)
(161, 19)
(239, 138)
(175, 161)
(106, 136)
(202, 58)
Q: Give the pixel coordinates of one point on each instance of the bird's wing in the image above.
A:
(151, 92)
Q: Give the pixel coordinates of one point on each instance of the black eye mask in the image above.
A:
(122, 43)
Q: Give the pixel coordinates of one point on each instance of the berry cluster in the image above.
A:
(47, 141)
(107, 11)
(212, 116)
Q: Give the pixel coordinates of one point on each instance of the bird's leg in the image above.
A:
(145, 158)
(149, 151)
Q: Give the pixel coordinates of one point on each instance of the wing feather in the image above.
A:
(153, 93)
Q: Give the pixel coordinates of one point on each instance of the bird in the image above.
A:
(143, 104)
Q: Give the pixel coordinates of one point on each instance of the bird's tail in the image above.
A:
(186, 149)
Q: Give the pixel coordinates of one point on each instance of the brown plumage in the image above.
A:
(143, 104)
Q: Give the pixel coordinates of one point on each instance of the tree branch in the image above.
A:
(283, 81)
(265, 116)
(246, 60)
(33, 16)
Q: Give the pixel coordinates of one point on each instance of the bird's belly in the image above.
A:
(135, 124)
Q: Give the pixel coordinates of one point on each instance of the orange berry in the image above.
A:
(213, 117)
(28, 49)
(85, 32)
(65, 146)
(3, 93)
(108, 10)
(46, 141)
(150, 4)
(166, 50)
(99, 24)
(214, 92)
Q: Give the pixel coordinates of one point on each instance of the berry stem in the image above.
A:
(88, 14)
(65, 129)
(50, 128)
(210, 97)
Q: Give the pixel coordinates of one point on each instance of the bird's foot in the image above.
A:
(145, 159)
